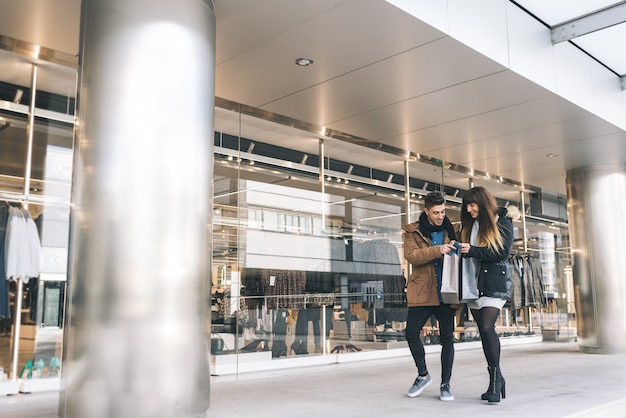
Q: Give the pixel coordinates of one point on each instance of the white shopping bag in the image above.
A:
(450, 278)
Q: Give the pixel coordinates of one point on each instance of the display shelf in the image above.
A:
(43, 384)
(8, 387)
(227, 363)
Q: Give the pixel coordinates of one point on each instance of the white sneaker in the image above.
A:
(444, 392)
(421, 383)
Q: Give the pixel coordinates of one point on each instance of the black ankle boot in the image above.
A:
(496, 387)
(484, 395)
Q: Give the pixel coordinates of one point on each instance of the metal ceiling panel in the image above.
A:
(425, 94)
(243, 25)
(514, 123)
(51, 24)
(383, 76)
(341, 40)
(438, 108)
(386, 83)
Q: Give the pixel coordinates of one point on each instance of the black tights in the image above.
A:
(486, 321)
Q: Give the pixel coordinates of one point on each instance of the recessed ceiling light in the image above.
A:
(552, 155)
(303, 62)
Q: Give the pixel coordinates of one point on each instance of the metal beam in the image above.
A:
(622, 80)
(601, 19)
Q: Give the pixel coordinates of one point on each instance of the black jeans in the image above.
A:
(415, 320)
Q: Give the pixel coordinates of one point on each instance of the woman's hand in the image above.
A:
(465, 247)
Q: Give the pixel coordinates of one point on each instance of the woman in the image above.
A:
(487, 238)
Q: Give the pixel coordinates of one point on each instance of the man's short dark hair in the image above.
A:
(434, 199)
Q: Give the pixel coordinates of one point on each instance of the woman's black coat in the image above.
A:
(494, 270)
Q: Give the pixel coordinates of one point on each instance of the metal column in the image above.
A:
(135, 338)
(596, 206)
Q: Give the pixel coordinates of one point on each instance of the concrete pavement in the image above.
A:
(548, 379)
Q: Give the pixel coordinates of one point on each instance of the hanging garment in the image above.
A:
(393, 289)
(22, 246)
(377, 257)
(517, 276)
(319, 282)
(284, 288)
(5, 311)
(252, 288)
(264, 319)
(535, 286)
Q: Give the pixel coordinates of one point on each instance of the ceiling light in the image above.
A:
(303, 62)
(350, 169)
(250, 147)
(389, 178)
(304, 158)
(552, 155)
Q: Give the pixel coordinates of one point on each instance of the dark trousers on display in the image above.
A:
(312, 315)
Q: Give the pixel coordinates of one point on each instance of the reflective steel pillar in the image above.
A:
(135, 342)
(596, 206)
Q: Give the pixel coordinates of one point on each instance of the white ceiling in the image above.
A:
(384, 76)
(605, 43)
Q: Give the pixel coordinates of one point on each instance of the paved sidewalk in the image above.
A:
(549, 379)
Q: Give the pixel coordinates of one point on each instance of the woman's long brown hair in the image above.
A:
(488, 232)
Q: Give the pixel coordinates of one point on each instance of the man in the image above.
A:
(426, 242)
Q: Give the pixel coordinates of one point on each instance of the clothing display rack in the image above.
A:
(527, 286)
(21, 249)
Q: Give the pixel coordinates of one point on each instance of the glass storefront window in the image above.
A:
(340, 243)
(45, 190)
(299, 264)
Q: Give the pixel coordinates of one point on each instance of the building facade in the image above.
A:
(187, 181)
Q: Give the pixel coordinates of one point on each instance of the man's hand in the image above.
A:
(447, 248)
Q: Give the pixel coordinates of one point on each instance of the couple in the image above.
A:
(486, 237)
